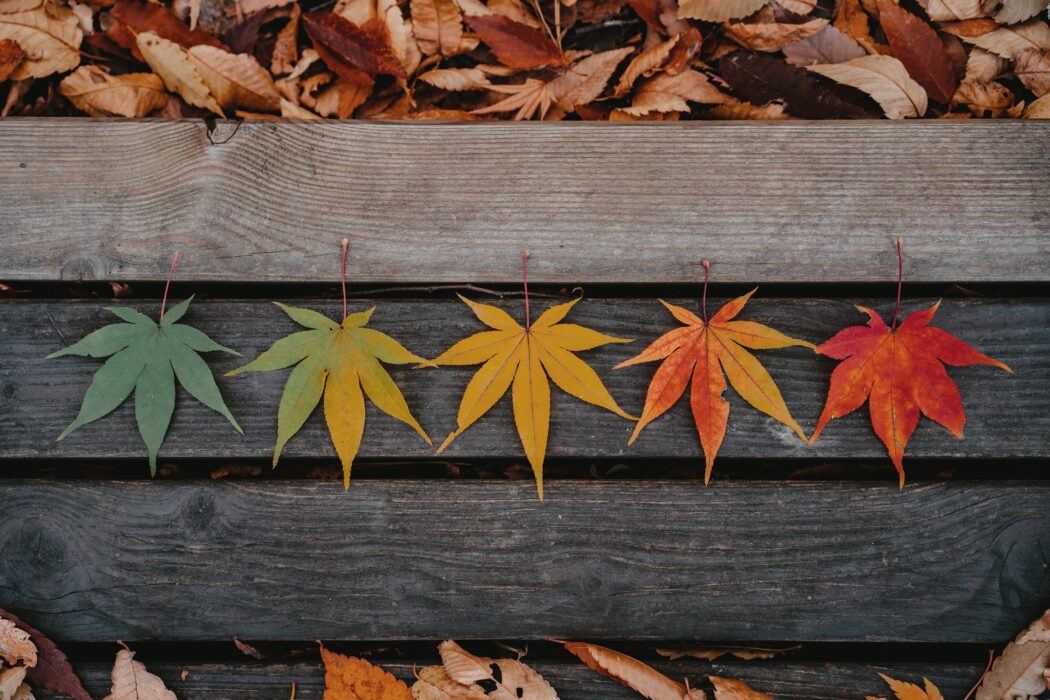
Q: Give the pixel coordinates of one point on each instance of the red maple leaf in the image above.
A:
(900, 372)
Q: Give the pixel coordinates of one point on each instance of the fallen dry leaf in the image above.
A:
(15, 645)
(718, 10)
(351, 678)
(236, 80)
(131, 681)
(885, 79)
(52, 670)
(1032, 67)
(511, 680)
(1019, 671)
(130, 18)
(910, 691)
(747, 111)
(178, 69)
(515, 44)
(585, 80)
(525, 99)
(49, 37)
(673, 93)
(829, 45)
(984, 98)
(457, 79)
(96, 92)
(11, 682)
(1040, 109)
(438, 26)
(952, 10)
(1009, 41)
(355, 53)
(11, 54)
(732, 689)
(772, 36)
(631, 672)
(432, 683)
(916, 45)
(645, 64)
(744, 653)
(1014, 11)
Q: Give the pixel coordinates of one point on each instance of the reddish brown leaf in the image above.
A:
(52, 670)
(516, 45)
(11, 54)
(131, 17)
(350, 50)
(761, 79)
(915, 44)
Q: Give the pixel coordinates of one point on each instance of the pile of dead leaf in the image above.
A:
(618, 60)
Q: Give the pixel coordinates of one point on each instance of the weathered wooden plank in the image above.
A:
(572, 681)
(1008, 415)
(798, 202)
(936, 562)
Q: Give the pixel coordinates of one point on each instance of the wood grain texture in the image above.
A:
(184, 561)
(572, 681)
(1008, 415)
(786, 202)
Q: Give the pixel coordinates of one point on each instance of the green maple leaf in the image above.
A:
(147, 357)
(340, 361)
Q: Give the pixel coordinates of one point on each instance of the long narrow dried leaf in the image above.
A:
(456, 79)
(179, 71)
(631, 672)
(1010, 41)
(131, 681)
(586, 79)
(673, 93)
(829, 45)
(438, 26)
(96, 92)
(49, 38)
(351, 678)
(885, 79)
(915, 44)
(772, 36)
(340, 42)
(516, 45)
(526, 99)
(733, 689)
(433, 683)
(644, 65)
(718, 10)
(510, 679)
(236, 80)
(1018, 673)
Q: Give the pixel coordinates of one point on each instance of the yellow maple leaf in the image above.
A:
(525, 356)
(351, 678)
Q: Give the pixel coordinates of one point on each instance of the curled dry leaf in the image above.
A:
(15, 645)
(1039, 109)
(236, 80)
(49, 37)
(11, 682)
(885, 79)
(644, 65)
(286, 45)
(673, 93)
(732, 689)
(1007, 42)
(772, 36)
(11, 54)
(52, 670)
(631, 672)
(984, 99)
(456, 79)
(718, 10)
(984, 65)
(586, 79)
(438, 26)
(516, 45)
(829, 45)
(96, 92)
(432, 683)
(1019, 672)
(915, 44)
(351, 678)
(1032, 67)
(515, 680)
(1014, 11)
(178, 69)
(131, 680)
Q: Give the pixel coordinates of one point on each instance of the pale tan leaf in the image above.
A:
(23, 692)
(517, 681)
(50, 38)
(1032, 67)
(96, 92)
(631, 672)
(15, 645)
(829, 45)
(131, 681)
(85, 15)
(1007, 42)
(1014, 11)
(984, 66)
(738, 111)
(1018, 673)
(290, 110)
(732, 689)
(236, 80)
(178, 69)
(456, 79)
(249, 7)
(307, 59)
(673, 93)
(402, 38)
(718, 10)
(286, 46)
(11, 681)
(885, 79)
(437, 25)
(984, 98)
(798, 7)
(474, 7)
(11, 55)
(7, 6)
(515, 10)
(341, 99)
(526, 99)
(952, 10)
(432, 683)
(644, 65)
(586, 79)
(772, 36)
(1039, 109)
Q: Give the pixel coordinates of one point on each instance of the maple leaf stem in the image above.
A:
(342, 273)
(707, 276)
(525, 281)
(167, 285)
(900, 280)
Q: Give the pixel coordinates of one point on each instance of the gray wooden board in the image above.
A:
(405, 559)
(1008, 415)
(799, 202)
(572, 681)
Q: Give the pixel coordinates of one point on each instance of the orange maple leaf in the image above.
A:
(910, 691)
(702, 350)
(900, 372)
(350, 678)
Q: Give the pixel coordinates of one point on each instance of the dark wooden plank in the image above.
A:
(184, 561)
(1008, 415)
(784, 679)
(800, 202)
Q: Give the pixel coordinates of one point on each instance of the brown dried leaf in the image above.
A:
(772, 36)
(984, 65)
(432, 683)
(236, 80)
(915, 44)
(15, 645)
(1007, 42)
(829, 45)
(341, 99)
(984, 98)
(586, 79)
(745, 653)
(885, 79)
(732, 689)
(11, 681)
(350, 50)
(644, 65)
(673, 93)
(526, 99)
(178, 69)
(851, 20)
(456, 79)
(11, 54)
(438, 26)
(445, 115)
(1014, 11)
(1039, 109)
(738, 111)
(7, 6)
(49, 37)
(1032, 67)
(290, 110)
(132, 17)
(53, 670)
(517, 681)
(515, 44)
(952, 10)
(131, 681)
(96, 92)
(718, 10)
(286, 46)
(631, 672)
